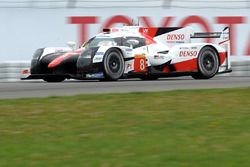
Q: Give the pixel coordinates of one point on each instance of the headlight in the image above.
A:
(86, 54)
(84, 60)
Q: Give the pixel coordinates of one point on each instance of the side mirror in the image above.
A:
(132, 42)
(71, 44)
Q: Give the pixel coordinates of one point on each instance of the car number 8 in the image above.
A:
(142, 64)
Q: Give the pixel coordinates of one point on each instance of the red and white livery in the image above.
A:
(134, 51)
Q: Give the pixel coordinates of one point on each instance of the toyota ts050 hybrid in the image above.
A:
(134, 51)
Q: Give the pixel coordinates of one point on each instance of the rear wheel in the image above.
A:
(54, 79)
(208, 63)
(113, 64)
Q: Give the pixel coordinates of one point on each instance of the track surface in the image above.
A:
(42, 89)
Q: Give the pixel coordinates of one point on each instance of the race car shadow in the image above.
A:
(169, 79)
(136, 79)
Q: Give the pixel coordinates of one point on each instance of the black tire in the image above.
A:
(208, 63)
(113, 65)
(54, 79)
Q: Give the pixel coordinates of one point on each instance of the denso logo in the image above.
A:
(175, 37)
(192, 53)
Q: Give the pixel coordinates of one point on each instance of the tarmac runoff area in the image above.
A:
(39, 88)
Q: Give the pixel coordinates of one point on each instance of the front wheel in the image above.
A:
(113, 65)
(208, 63)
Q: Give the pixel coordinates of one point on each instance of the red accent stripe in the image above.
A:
(149, 40)
(59, 59)
(191, 65)
(149, 31)
(148, 34)
(223, 56)
(188, 65)
(223, 41)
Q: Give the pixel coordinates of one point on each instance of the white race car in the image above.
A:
(134, 51)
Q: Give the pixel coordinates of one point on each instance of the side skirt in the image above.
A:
(42, 76)
(160, 75)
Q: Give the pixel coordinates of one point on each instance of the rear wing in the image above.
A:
(206, 35)
(224, 33)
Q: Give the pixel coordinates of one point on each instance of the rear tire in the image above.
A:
(208, 63)
(54, 79)
(113, 65)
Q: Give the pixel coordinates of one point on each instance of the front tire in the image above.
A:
(113, 65)
(208, 63)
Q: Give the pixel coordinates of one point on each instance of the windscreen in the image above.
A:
(100, 41)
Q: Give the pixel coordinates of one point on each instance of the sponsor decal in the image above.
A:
(191, 53)
(183, 47)
(175, 37)
(99, 53)
(225, 36)
(97, 58)
(158, 57)
(179, 42)
(129, 66)
(175, 42)
(145, 30)
(128, 50)
(115, 30)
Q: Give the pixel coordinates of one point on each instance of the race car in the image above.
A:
(135, 52)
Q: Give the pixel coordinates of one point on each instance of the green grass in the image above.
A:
(194, 128)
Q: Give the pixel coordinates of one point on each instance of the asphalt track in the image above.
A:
(38, 88)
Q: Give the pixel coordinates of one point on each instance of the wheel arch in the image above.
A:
(215, 49)
(118, 49)
(205, 74)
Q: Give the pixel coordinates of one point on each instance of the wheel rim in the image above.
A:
(208, 62)
(114, 63)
